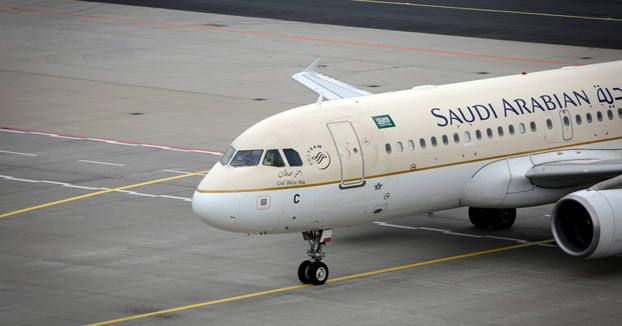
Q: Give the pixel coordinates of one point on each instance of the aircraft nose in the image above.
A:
(219, 210)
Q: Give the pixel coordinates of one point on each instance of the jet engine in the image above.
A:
(588, 223)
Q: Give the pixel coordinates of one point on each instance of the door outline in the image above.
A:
(567, 131)
(353, 183)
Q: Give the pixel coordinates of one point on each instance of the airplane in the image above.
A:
(492, 145)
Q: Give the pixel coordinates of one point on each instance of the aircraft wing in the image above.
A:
(328, 88)
(573, 173)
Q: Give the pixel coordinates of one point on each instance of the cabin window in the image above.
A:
(445, 140)
(411, 145)
(588, 117)
(247, 158)
(226, 157)
(521, 128)
(399, 146)
(578, 118)
(532, 125)
(549, 123)
(500, 131)
(610, 114)
(620, 113)
(387, 147)
(433, 141)
(511, 129)
(456, 138)
(467, 136)
(566, 121)
(422, 142)
(273, 158)
(478, 134)
(599, 116)
(489, 133)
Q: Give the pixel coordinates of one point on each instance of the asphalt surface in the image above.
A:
(526, 21)
(88, 91)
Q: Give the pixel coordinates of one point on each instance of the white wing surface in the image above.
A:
(328, 88)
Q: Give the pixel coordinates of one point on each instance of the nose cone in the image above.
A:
(219, 210)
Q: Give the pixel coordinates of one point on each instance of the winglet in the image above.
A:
(313, 66)
(326, 87)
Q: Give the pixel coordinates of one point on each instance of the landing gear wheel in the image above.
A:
(318, 273)
(314, 270)
(303, 272)
(504, 219)
(479, 217)
(492, 218)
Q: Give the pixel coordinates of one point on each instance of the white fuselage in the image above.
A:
(430, 148)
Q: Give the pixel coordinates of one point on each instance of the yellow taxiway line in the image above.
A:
(491, 10)
(98, 193)
(289, 288)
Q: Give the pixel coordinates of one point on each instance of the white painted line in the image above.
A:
(175, 197)
(8, 177)
(505, 238)
(18, 153)
(115, 142)
(65, 137)
(180, 172)
(98, 162)
(448, 232)
(68, 185)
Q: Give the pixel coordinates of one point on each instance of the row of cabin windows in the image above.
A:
(500, 131)
(456, 137)
(253, 157)
(588, 118)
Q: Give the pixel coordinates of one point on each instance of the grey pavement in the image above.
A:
(127, 253)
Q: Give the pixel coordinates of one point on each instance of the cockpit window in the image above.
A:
(273, 158)
(224, 160)
(292, 157)
(247, 158)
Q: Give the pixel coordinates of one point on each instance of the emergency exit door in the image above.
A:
(350, 153)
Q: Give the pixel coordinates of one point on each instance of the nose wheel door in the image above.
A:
(350, 153)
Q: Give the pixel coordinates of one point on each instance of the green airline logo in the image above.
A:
(383, 121)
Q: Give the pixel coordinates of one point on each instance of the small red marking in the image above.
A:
(292, 37)
(327, 240)
(523, 73)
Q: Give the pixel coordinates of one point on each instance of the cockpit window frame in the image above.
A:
(278, 161)
(227, 156)
(295, 157)
(255, 160)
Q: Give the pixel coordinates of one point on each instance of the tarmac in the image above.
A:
(105, 109)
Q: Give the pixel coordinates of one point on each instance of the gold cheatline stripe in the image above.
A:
(410, 171)
(491, 10)
(289, 288)
(98, 193)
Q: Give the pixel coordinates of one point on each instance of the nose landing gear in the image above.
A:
(314, 270)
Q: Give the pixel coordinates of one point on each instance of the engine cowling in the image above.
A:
(588, 223)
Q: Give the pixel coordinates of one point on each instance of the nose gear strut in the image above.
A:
(314, 270)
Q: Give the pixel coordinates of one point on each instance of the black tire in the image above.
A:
(504, 218)
(480, 217)
(318, 273)
(303, 272)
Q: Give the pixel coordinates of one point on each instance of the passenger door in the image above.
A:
(350, 153)
(566, 120)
